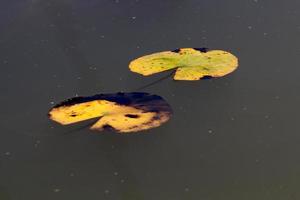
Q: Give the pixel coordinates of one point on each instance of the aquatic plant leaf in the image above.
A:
(190, 63)
(122, 112)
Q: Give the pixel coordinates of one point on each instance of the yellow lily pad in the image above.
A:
(190, 63)
(122, 112)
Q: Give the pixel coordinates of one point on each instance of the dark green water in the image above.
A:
(233, 138)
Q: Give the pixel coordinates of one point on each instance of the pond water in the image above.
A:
(234, 138)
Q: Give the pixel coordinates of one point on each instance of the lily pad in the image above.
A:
(121, 112)
(190, 63)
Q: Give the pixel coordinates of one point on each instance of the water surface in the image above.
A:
(232, 138)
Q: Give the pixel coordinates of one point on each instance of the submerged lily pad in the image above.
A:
(190, 63)
(122, 112)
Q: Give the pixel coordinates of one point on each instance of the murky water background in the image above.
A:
(234, 138)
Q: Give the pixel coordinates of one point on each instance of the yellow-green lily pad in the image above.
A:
(121, 112)
(190, 63)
